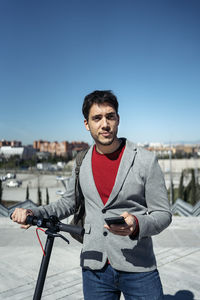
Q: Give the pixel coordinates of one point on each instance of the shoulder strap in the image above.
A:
(79, 158)
(78, 193)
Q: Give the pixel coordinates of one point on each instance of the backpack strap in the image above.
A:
(79, 198)
(79, 214)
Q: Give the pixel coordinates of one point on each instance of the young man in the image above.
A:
(117, 179)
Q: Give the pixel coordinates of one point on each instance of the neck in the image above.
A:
(107, 149)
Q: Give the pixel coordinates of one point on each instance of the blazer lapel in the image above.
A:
(88, 177)
(125, 164)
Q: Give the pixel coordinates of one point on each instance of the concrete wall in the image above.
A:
(179, 164)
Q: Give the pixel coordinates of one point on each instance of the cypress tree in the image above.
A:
(27, 192)
(187, 192)
(171, 193)
(197, 192)
(192, 192)
(47, 196)
(1, 190)
(181, 187)
(39, 197)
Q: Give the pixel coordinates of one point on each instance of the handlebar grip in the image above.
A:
(31, 220)
(72, 229)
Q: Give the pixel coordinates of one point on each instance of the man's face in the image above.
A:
(102, 123)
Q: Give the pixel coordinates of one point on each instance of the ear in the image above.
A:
(86, 125)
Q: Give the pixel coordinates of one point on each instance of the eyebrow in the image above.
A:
(96, 116)
(111, 114)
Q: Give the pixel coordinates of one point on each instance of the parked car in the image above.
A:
(13, 183)
(11, 176)
(3, 178)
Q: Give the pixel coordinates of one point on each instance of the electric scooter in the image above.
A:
(53, 226)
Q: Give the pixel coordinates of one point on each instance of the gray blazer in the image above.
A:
(139, 189)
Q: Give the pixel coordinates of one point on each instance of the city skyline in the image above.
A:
(17, 143)
(54, 53)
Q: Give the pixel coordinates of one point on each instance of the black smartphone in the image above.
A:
(115, 220)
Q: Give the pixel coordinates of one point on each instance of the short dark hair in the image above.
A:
(99, 97)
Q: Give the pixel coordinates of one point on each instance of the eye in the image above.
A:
(111, 116)
(96, 118)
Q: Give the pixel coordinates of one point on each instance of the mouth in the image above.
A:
(106, 134)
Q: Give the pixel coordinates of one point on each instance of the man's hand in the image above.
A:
(126, 229)
(19, 216)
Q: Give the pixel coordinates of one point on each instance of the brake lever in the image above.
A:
(53, 234)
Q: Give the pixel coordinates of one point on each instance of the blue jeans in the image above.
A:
(108, 283)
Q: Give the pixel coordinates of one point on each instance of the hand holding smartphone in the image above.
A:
(115, 221)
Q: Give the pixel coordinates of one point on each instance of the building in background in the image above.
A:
(10, 143)
(59, 148)
(25, 152)
(177, 151)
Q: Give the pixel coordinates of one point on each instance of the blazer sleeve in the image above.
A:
(158, 215)
(62, 208)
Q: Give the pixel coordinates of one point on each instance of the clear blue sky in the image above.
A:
(54, 52)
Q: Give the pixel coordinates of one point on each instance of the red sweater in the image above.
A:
(105, 167)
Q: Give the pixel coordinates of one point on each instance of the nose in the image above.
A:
(105, 123)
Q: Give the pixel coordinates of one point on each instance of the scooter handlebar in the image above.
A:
(54, 222)
(72, 229)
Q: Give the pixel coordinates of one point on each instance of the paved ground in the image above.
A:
(33, 181)
(177, 250)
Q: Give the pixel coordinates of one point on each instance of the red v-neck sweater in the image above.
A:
(105, 167)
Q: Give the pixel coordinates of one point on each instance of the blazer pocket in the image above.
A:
(87, 228)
